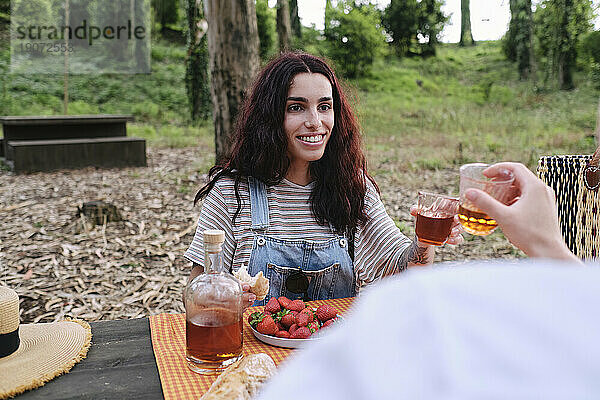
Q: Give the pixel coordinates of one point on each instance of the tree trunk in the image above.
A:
(66, 70)
(598, 126)
(295, 19)
(466, 37)
(196, 75)
(566, 58)
(234, 61)
(284, 27)
(523, 26)
(532, 62)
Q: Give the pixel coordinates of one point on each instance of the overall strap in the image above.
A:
(259, 206)
(349, 237)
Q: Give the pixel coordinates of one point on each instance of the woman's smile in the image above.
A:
(312, 140)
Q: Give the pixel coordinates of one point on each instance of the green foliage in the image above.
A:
(431, 22)
(165, 12)
(33, 12)
(559, 25)
(590, 46)
(266, 22)
(595, 75)
(518, 41)
(5, 7)
(471, 107)
(408, 20)
(295, 19)
(196, 72)
(355, 37)
(400, 19)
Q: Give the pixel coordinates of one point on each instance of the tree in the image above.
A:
(431, 22)
(234, 61)
(354, 36)
(295, 19)
(265, 22)
(466, 36)
(142, 48)
(196, 71)
(166, 12)
(518, 42)
(559, 25)
(414, 25)
(284, 26)
(400, 19)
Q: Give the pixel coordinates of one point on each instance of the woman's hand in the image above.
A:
(455, 237)
(247, 297)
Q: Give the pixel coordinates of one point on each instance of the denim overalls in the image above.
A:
(327, 264)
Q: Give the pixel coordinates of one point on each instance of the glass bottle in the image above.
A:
(213, 312)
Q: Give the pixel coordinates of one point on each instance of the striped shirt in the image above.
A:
(378, 245)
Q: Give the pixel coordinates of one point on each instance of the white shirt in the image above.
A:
(528, 330)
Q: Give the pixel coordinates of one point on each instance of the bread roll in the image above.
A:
(259, 285)
(242, 380)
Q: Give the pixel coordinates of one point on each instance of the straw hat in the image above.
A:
(31, 355)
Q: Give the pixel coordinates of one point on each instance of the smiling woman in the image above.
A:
(294, 196)
(307, 123)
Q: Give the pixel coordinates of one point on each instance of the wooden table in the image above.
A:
(120, 365)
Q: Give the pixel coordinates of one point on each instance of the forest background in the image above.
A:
(425, 108)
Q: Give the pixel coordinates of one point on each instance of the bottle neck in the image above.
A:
(213, 258)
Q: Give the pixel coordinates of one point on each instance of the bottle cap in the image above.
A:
(213, 236)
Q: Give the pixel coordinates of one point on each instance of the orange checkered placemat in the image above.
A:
(168, 342)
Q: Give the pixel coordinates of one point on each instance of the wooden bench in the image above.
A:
(54, 142)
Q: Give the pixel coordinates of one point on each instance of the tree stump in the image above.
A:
(99, 212)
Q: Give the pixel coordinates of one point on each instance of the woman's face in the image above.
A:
(308, 119)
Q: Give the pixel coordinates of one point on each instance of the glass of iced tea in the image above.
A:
(500, 187)
(435, 215)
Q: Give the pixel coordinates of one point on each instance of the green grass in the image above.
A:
(470, 107)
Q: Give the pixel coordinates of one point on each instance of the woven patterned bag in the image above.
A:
(575, 180)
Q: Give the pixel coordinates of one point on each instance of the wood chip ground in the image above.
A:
(63, 266)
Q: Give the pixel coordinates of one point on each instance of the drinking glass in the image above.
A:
(500, 187)
(435, 215)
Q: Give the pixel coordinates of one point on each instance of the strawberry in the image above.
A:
(267, 326)
(288, 320)
(293, 328)
(283, 334)
(255, 318)
(302, 319)
(301, 333)
(325, 312)
(296, 305)
(284, 301)
(273, 306)
(313, 326)
(279, 326)
(310, 314)
(328, 322)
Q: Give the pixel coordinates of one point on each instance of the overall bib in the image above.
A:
(326, 264)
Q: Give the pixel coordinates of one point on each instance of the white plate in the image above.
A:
(291, 343)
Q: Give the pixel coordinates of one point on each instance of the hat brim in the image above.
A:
(46, 351)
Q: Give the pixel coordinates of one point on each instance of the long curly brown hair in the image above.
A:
(259, 145)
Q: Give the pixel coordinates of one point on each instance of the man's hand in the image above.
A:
(530, 222)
